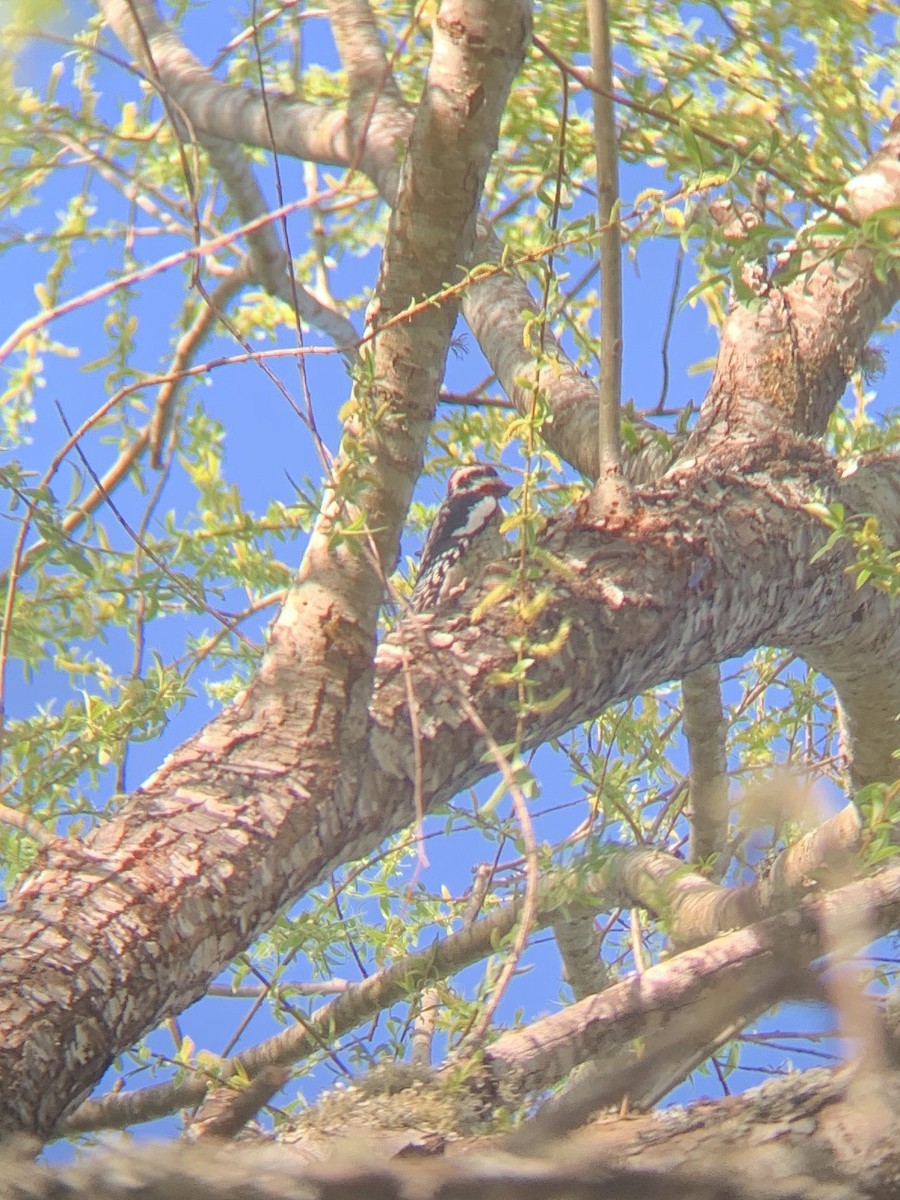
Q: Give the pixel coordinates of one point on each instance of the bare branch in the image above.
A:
(232, 114)
(379, 121)
(26, 824)
(752, 969)
(694, 910)
(152, 44)
(186, 351)
(423, 1030)
(694, 914)
(362, 54)
(610, 451)
(578, 941)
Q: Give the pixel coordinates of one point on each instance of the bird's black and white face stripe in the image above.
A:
(475, 491)
(477, 479)
(470, 506)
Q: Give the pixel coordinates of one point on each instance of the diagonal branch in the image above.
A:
(378, 120)
(694, 911)
(254, 809)
(112, 935)
(786, 359)
(166, 61)
(363, 57)
(367, 137)
(752, 969)
(139, 965)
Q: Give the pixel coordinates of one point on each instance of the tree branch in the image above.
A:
(609, 454)
(724, 982)
(113, 935)
(694, 910)
(326, 633)
(377, 123)
(165, 61)
(706, 730)
(579, 945)
(223, 827)
(809, 1134)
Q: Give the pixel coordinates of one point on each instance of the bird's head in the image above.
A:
(477, 479)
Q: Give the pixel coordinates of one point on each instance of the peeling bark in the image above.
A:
(150, 925)
(313, 765)
(807, 1136)
(238, 822)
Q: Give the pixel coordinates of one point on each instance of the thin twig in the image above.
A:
(529, 902)
(180, 585)
(667, 333)
(27, 824)
(139, 274)
(324, 455)
(188, 344)
(327, 987)
(741, 146)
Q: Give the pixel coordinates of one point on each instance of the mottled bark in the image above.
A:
(810, 1135)
(254, 810)
(706, 731)
(241, 819)
(718, 986)
(148, 914)
(307, 770)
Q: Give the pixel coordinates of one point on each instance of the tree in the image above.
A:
(762, 526)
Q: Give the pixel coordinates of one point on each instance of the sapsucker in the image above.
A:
(464, 536)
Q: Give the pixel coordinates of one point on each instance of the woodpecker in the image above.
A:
(464, 536)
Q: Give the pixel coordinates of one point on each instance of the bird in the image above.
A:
(464, 536)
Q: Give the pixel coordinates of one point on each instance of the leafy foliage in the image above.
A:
(127, 618)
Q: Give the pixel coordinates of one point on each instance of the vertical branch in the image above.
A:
(579, 943)
(379, 119)
(609, 451)
(362, 54)
(423, 1030)
(705, 728)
